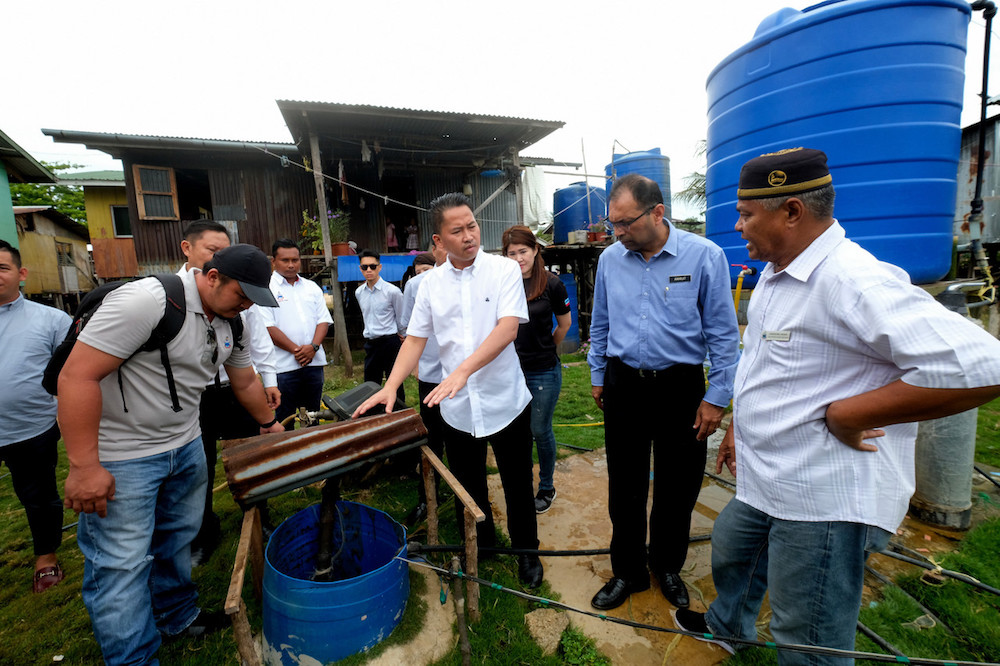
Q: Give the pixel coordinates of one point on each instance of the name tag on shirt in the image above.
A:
(679, 278)
(776, 336)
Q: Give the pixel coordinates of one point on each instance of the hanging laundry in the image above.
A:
(366, 153)
(381, 168)
(378, 147)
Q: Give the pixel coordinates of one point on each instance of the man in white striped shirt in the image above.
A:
(842, 355)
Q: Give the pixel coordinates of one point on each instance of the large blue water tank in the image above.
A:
(649, 163)
(572, 210)
(306, 621)
(876, 85)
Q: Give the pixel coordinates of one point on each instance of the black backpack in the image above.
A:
(166, 330)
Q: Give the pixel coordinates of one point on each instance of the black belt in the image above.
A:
(623, 368)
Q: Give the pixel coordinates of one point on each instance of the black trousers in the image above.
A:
(32, 465)
(221, 416)
(655, 410)
(380, 354)
(431, 416)
(512, 449)
(299, 388)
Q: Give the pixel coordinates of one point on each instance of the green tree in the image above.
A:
(66, 199)
(694, 184)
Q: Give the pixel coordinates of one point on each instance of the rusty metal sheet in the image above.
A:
(269, 465)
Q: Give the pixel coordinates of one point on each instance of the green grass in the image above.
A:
(988, 434)
(34, 629)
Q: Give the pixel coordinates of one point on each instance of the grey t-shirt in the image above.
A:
(122, 323)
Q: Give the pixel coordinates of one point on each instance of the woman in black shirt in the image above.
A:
(536, 347)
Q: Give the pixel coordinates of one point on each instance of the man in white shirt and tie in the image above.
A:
(472, 306)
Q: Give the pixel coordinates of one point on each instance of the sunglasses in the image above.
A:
(211, 353)
(369, 267)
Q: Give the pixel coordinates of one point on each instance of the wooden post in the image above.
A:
(249, 548)
(518, 193)
(472, 563)
(340, 344)
(430, 490)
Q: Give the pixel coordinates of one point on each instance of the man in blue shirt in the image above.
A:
(661, 300)
(382, 311)
(30, 332)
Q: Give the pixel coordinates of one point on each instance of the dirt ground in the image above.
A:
(579, 520)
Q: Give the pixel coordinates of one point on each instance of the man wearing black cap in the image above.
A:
(842, 354)
(137, 466)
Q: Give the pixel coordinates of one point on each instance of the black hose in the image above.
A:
(975, 467)
(885, 580)
(415, 548)
(965, 578)
(878, 640)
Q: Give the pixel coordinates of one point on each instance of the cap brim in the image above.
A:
(260, 295)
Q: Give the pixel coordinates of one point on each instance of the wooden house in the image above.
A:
(16, 166)
(54, 250)
(108, 220)
(170, 182)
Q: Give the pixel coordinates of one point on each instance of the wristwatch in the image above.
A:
(315, 348)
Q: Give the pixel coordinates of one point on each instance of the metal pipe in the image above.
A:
(269, 465)
(976, 213)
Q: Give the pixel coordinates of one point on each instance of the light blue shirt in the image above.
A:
(29, 332)
(381, 309)
(668, 311)
(429, 368)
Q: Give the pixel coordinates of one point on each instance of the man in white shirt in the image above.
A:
(221, 415)
(382, 310)
(297, 327)
(472, 306)
(842, 354)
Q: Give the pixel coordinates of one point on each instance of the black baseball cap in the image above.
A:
(251, 268)
(784, 173)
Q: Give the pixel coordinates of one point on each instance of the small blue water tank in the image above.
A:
(649, 163)
(573, 334)
(328, 621)
(572, 211)
(876, 85)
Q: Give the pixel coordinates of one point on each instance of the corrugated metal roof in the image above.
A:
(114, 144)
(412, 136)
(109, 178)
(22, 167)
(59, 218)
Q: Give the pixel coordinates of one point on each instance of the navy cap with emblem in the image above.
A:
(784, 173)
(251, 268)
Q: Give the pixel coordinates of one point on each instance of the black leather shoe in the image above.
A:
(673, 589)
(529, 570)
(615, 592)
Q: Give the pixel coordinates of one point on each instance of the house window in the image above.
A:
(155, 192)
(64, 254)
(121, 222)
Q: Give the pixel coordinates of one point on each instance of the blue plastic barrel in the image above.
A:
(571, 212)
(876, 85)
(573, 334)
(327, 621)
(649, 163)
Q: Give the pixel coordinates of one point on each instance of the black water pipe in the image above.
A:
(976, 213)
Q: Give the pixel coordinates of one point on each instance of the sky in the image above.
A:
(623, 77)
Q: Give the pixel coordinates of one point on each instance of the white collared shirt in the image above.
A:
(834, 324)
(460, 308)
(261, 346)
(381, 309)
(301, 307)
(429, 367)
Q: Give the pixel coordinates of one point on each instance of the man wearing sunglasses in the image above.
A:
(382, 310)
(661, 300)
(137, 471)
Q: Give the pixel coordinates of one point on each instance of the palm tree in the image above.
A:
(694, 184)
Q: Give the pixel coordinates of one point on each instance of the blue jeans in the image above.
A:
(814, 571)
(544, 386)
(137, 568)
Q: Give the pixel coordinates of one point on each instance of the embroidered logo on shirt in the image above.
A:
(680, 278)
(566, 302)
(487, 299)
(279, 297)
(227, 343)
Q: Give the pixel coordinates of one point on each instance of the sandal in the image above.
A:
(46, 577)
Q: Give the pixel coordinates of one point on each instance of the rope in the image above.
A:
(791, 647)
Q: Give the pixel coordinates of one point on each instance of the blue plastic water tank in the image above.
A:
(573, 334)
(328, 621)
(876, 85)
(572, 211)
(649, 163)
